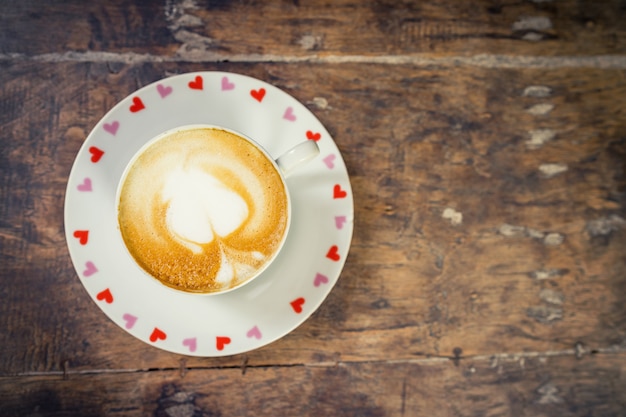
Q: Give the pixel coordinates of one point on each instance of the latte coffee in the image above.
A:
(203, 209)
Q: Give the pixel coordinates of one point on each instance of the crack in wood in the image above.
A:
(578, 351)
(419, 60)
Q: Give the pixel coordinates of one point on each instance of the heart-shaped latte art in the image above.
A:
(200, 207)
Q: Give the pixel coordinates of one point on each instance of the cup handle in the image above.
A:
(297, 156)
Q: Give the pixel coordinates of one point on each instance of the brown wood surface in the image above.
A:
(294, 28)
(515, 386)
(486, 144)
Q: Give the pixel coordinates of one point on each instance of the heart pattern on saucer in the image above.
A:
(90, 269)
(137, 105)
(288, 115)
(164, 90)
(157, 334)
(197, 83)
(313, 135)
(191, 343)
(96, 154)
(329, 160)
(297, 304)
(130, 320)
(254, 332)
(194, 325)
(338, 192)
(112, 127)
(82, 236)
(85, 186)
(333, 253)
(258, 95)
(226, 84)
(105, 295)
(221, 342)
(320, 280)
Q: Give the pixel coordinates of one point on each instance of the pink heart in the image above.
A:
(339, 221)
(320, 279)
(90, 269)
(289, 115)
(130, 320)
(191, 343)
(112, 127)
(163, 90)
(85, 186)
(227, 85)
(254, 332)
(329, 161)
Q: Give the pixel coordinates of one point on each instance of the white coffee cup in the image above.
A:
(204, 209)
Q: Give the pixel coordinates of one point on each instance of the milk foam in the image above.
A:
(226, 272)
(202, 209)
(199, 206)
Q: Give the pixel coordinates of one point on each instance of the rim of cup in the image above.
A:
(254, 143)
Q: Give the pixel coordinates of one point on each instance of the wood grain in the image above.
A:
(486, 144)
(188, 30)
(541, 386)
(525, 269)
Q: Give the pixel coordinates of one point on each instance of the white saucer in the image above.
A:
(268, 308)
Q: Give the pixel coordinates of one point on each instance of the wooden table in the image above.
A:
(486, 143)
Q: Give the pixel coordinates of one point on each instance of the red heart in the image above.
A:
(297, 305)
(196, 84)
(333, 253)
(313, 136)
(105, 296)
(338, 192)
(96, 154)
(221, 341)
(82, 236)
(137, 105)
(258, 94)
(157, 334)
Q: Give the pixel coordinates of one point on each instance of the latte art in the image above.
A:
(193, 215)
(202, 210)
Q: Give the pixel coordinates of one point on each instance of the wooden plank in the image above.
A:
(191, 30)
(539, 386)
(534, 264)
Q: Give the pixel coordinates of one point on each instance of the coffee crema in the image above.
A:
(202, 209)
